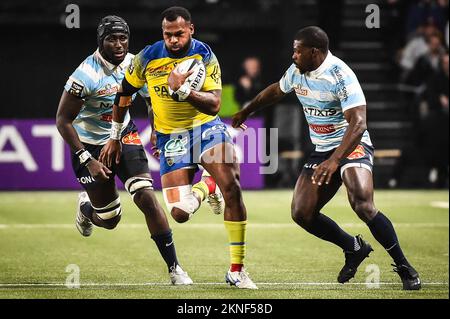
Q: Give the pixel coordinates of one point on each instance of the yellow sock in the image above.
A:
(201, 189)
(236, 237)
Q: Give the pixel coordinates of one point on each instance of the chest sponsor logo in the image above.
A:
(106, 117)
(322, 128)
(162, 91)
(108, 90)
(301, 91)
(132, 139)
(312, 111)
(161, 70)
(357, 153)
(104, 105)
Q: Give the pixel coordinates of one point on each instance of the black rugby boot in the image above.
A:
(409, 276)
(353, 259)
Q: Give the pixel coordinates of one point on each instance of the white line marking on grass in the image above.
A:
(218, 225)
(161, 284)
(440, 205)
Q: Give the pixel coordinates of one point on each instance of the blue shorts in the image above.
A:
(185, 149)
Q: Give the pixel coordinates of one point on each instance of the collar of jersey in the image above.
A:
(107, 64)
(325, 65)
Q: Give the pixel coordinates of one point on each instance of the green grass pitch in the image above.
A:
(38, 240)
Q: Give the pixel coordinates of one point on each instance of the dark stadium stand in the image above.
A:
(257, 27)
(365, 52)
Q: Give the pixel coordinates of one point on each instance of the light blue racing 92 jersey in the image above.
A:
(325, 94)
(96, 82)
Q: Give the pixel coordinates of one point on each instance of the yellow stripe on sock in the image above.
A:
(236, 237)
(201, 189)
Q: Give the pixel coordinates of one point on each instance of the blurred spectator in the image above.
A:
(250, 82)
(416, 47)
(428, 63)
(427, 12)
(435, 125)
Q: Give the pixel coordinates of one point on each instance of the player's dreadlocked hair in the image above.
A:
(313, 37)
(172, 13)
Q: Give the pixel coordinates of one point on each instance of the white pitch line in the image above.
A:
(444, 205)
(12, 285)
(218, 225)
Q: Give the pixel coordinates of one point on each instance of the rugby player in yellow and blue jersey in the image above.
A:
(84, 121)
(188, 131)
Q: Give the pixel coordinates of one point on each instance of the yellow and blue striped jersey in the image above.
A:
(153, 65)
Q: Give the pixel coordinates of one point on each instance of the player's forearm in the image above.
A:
(122, 101)
(351, 139)
(269, 96)
(205, 102)
(68, 133)
(68, 109)
(118, 113)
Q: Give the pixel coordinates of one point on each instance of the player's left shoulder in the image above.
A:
(128, 59)
(340, 70)
(203, 49)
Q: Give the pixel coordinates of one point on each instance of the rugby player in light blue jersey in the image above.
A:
(84, 121)
(335, 108)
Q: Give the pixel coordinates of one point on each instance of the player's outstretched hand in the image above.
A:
(176, 79)
(111, 151)
(324, 171)
(239, 119)
(98, 171)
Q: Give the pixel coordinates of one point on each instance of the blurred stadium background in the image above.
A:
(39, 52)
(402, 66)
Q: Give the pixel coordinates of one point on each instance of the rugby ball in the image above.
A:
(196, 79)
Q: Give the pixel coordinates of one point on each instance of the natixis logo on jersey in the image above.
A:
(314, 111)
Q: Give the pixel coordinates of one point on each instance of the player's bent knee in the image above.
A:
(181, 202)
(110, 214)
(112, 222)
(136, 184)
(302, 216)
(364, 209)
